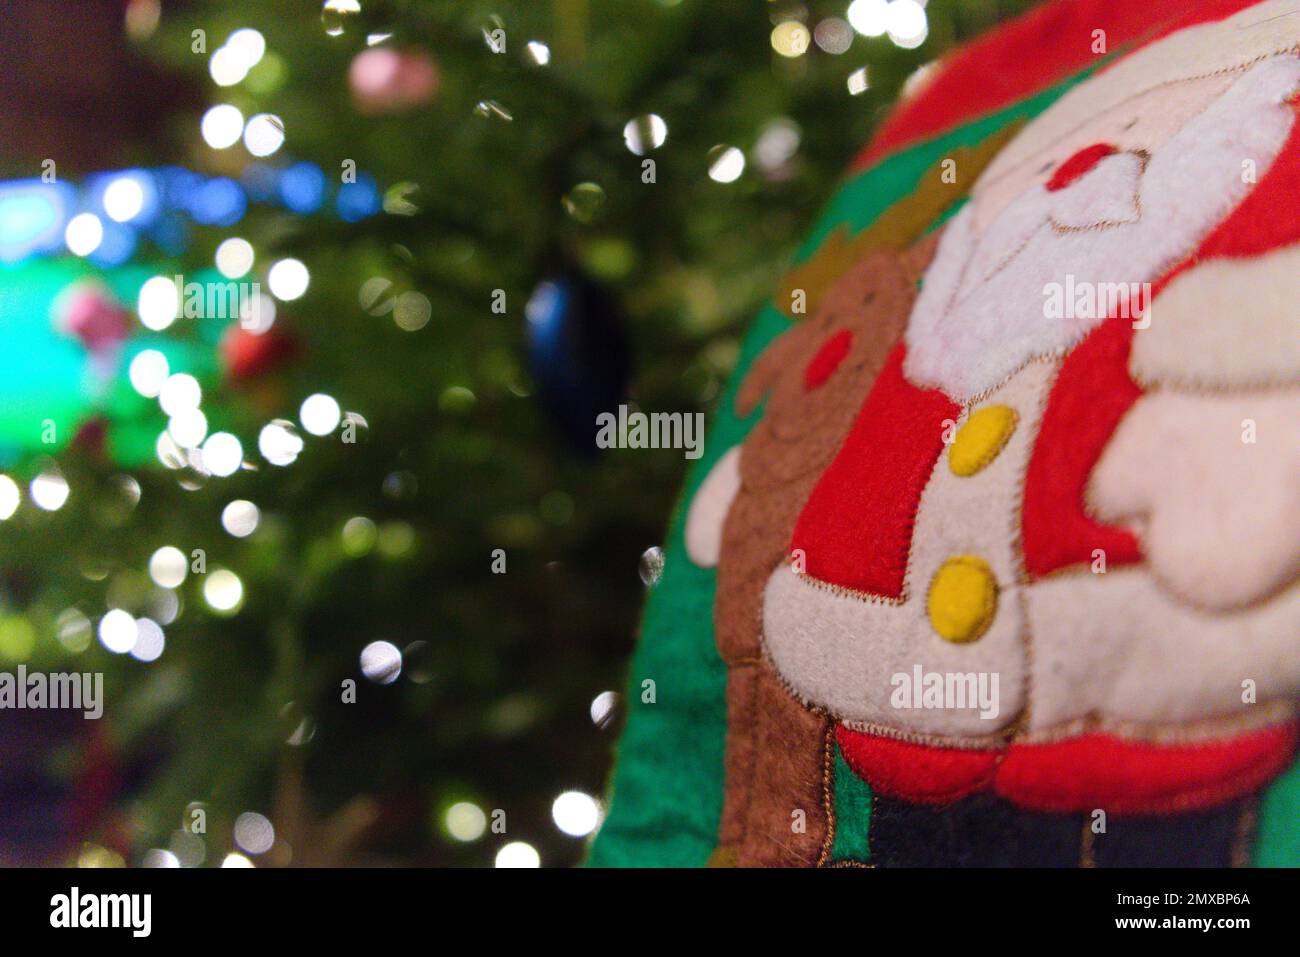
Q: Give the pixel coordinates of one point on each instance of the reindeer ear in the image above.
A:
(916, 257)
(765, 371)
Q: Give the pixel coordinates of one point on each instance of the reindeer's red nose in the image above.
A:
(827, 359)
(1078, 164)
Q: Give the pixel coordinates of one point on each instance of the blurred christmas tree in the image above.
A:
(436, 504)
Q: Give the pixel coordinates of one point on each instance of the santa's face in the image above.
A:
(1113, 215)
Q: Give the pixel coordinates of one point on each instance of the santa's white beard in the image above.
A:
(981, 313)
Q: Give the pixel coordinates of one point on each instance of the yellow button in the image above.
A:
(963, 598)
(981, 438)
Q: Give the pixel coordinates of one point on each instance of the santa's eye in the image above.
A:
(1079, 164)
(828, 358)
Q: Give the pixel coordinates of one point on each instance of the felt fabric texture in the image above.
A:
(1217, 837)
(981, 313)
(801, 427)
(1125, 777)
(1103, 645)
(840, 650)
(981, 830)
(982, 436)
(1024, 56)
(779, 819)
(1224, 324)
(1277, 834)
(802, 424)
(1145, 122)
(667, 795)
(962, 599)
(922, 773)
(827, 360)
(1215, 47)
(1090, 395)
(856, 529)
(1078, 164)
(852, 813)
(1076, 774)
(708, 510)
(1212, 483)
(944, 184)
(1266, 219)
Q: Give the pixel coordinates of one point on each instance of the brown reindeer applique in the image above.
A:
(815, 378)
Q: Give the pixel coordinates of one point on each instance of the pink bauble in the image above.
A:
(89, 313)
(389, 81)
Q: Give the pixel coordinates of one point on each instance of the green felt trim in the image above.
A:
(1277, 834)
(852, 814)
(860, 201)
(667, 785)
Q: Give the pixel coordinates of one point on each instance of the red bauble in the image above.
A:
(248, 355)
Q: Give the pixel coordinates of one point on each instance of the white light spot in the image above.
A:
(227, 66)
(167, 566)
(726, 163)
(123, 199)
(776, 144)
(234, 859)
(381, 662)
(254, 833)
(466, 821)
(279, 443)
(869, 17)
(179, 393)
(575, 813)
(49, 491)
(240, 518)
(257, 313)
(188, 427)
(222, 590)
(10, 496)
(248, 44)
(158, 303)
(221, 126)
(222, 454)
(264, 134)
(540, 52)
(148, 372)
(907, 23)
(858, 82)
(150, 640)
(645, 133)
(602, 708)
(234, 257)
(157, 857)
(288, 279)
(518, 854)
(320, 414)
(118, 631)
(84, 234)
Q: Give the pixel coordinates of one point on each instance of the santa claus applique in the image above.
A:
(1048, 578)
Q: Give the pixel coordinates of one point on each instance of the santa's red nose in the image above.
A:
(1078, 164)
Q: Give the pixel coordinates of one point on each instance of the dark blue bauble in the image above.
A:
(578, 354)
